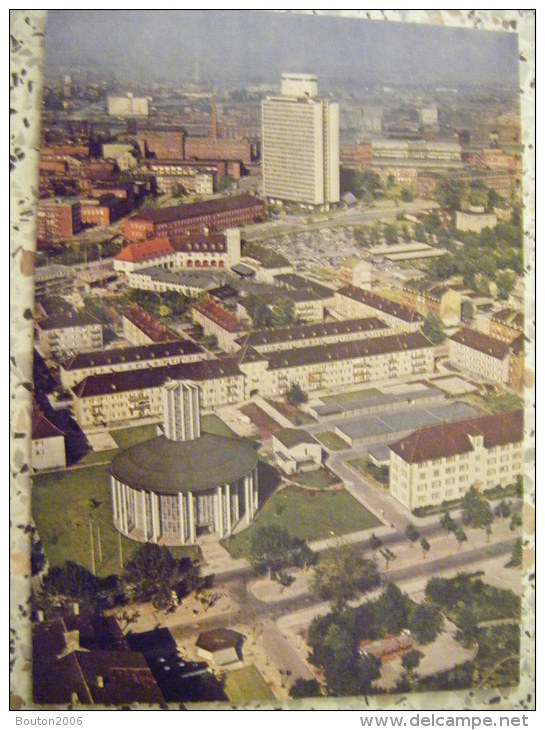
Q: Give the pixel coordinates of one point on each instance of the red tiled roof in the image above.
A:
(127, 380)
(144, 250)
(483, 343)
(450, 439)
(139, 353)
(380, 303)
(147, 324)
(217, 314)
(367, 347)
(42, 427)
(196, 210)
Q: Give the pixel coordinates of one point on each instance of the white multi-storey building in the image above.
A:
(481, 355)
(300, 144)
(442, 462)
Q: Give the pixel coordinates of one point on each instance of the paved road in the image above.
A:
(252, 611)
(350, 217)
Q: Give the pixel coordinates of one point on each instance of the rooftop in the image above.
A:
(451, 439)
(42, 427)
(143, 250)
(121, 355)
(170, 467)
(310, 331)
(290, 437)
(380, 303)
(367, 347)
(148, 324)
(483, 343)
(128, 380)
(196, 210)
(218, 639)
(67, 319)
(219, 315)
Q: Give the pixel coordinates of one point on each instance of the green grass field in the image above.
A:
(308, 515)
(246, 685)
(331, 441)
(65, 504)
(353, 398)
(125, 437)
(213, 424)
(318, 478)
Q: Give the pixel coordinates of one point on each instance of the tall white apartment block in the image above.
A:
(300, 144)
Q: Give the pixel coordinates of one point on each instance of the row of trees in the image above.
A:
(153, 574)
(281, 314)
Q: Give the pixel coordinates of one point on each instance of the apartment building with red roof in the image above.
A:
(442, 462)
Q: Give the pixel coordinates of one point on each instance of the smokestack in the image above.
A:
(214, 122)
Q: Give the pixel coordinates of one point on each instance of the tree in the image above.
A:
(341, 577)
(460, 536)
(425, 546)
(153, 574)
(467, 627)
(467, 311)
(284, 579)
(433, 328)
(516, 555)
(505, 283)
(411, 660)
(502, 510)
(305, 688)
(411, 533)
(425, 623)
(390, 233)
(393, 607)
(476, 510)
(407, 195)
(360, 235)
(447, 522)
(273, 548)
(516, 521)
(295, 395)
(283, 313)
(448, 193)
(375, 543)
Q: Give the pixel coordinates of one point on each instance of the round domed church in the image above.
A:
(176, 487)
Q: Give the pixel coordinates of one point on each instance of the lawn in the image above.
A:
(125, 437)
(292, 413)
(307, 515)
(246, 685)
(367, 469)
(318, 478)
(97, 457)
(213, 424)
(498, 403)
(65, 504)
(353, 398)
(331, 441)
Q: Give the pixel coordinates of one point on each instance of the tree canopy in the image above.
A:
(341, 577)
(425, 623)
(153, 574)
(273, 548)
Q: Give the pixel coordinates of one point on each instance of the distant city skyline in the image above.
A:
(256, 46)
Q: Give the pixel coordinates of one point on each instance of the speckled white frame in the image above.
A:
(26, 54)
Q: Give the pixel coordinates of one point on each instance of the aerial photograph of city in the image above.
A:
(278, 414)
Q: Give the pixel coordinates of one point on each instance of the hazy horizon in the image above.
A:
(223, 46)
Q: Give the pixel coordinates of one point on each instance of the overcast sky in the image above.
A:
(255, 45)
